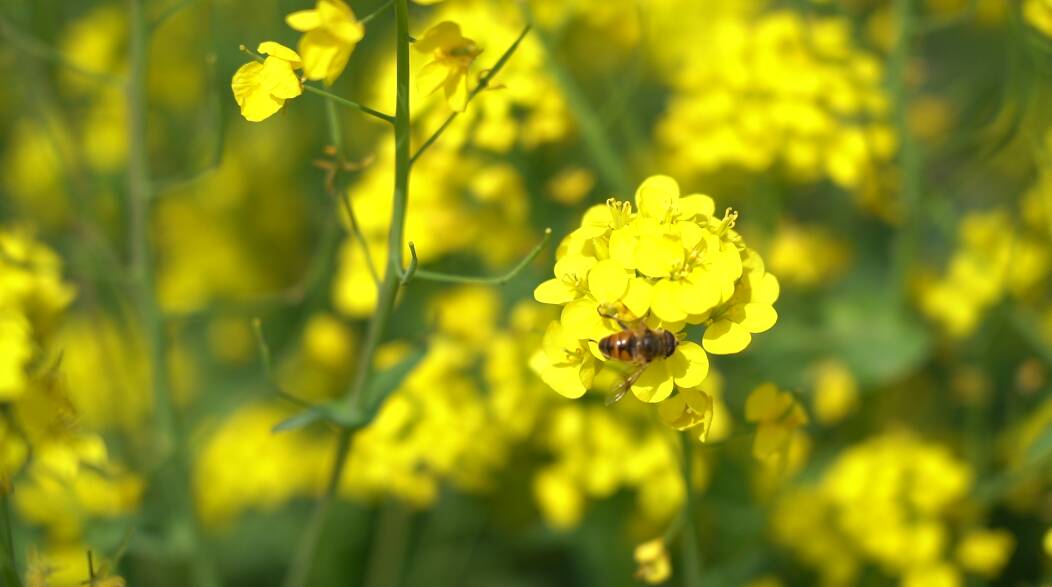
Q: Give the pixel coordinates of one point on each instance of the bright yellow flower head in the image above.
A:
(331, 33)
(665, 263)
(1038, 13)
(452, 55)
(778, 417)
(653, 561)
(261, 89)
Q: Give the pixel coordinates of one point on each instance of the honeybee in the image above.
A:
(636, 344)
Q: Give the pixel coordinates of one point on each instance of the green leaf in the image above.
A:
(1041, 449)
(383, 384)
(351, 417)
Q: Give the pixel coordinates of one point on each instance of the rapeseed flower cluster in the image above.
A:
(669, 263)
(893, 503)
(998, 254)
(780, 91)
(62, 473)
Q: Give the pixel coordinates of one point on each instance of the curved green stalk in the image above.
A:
(299, 572)
(689, 539)
(8, 569)
(413, 273)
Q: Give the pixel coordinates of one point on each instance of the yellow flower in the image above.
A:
(652, 559)
(750, 310)
(261, 89)
(564, 363)
(778, 416)
(835, 392)
(668, 263)
(1039, 14)
(332, 31)
(985, 552)
(687, 409)
(452, 55)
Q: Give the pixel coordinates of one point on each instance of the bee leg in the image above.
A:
(620, 322)
(621, 390)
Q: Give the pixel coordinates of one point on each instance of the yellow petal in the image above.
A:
(638, 298)
(260, 106)
(699, 293)
(767, 403)
(770, 441)
(278, 79)
(768, 290)
(656, 195)
(457, 91)
(431, 77)
(565, 380)
(304, 20)
(319, 50)
(246, 78)
(665, 303)
(724, 337)
(608, 281)
(689, 365)
(758, 317)
(582, 320)
(443, 34)
(696, 205)
(623, 246)
(280, 51)
(658, 255)
(655, 384)
(555, 291)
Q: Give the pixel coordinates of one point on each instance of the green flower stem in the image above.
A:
(413, 273)
(299, 571)
(909, 154)
(483, 84)
(36, 48)
(386, 560)
(376, 12)
(336, 136)
(689, 539)
(173, 501)
(349, 103)
(8, 569)
(596, 141)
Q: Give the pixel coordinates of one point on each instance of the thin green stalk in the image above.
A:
(483, 84)
(171, 481)
(349, 103)
(689, 539)
(596, 141)
(8, 569)
(336, 135)
(387, 556)
(413, 273)
(376, 12)
(299, 572)
(909, 154)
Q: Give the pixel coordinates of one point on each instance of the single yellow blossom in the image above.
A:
(261, 89)
(564, 363)
(452, 55)
(835, 392)
(331, 33)
(1039, 14)
(778, 416)
(653, 563)
(985, 552)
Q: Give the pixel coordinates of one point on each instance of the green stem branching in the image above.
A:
(299, 572)
(484, 82)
